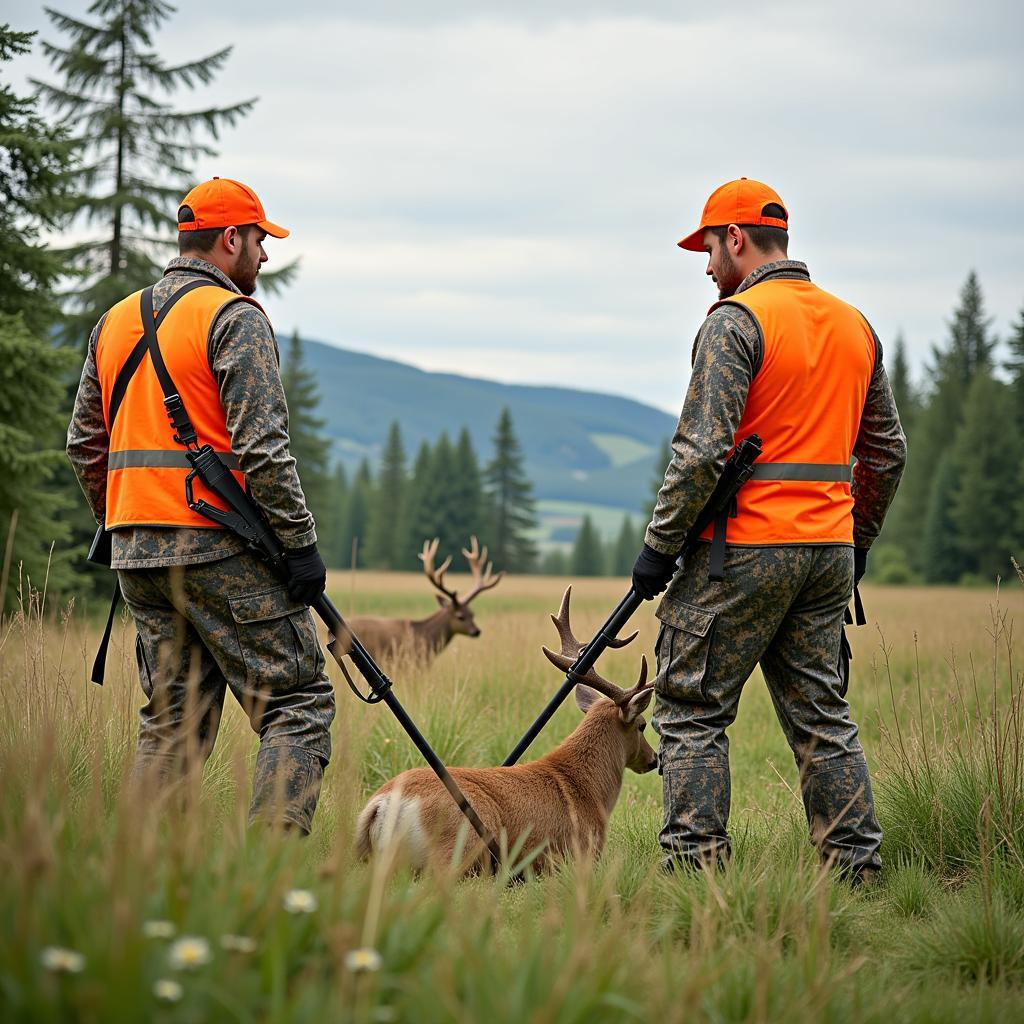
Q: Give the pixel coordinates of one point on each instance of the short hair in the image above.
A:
(765, 237)
(204, 239)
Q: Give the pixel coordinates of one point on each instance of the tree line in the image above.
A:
(959, 513)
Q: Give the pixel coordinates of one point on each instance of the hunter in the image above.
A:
(781, 358)
(210, 616)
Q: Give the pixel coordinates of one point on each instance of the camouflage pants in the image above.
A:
(782, 607)
(230, 624)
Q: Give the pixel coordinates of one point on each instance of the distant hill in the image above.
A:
(579, 446)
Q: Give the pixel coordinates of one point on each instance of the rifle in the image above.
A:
(739, 467)
(243, 517)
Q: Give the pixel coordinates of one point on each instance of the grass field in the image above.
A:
(290, 930)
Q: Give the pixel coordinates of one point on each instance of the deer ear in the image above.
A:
(636, 705)
(442, 600)
(586, 697)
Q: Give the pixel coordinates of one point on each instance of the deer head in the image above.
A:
(629, 704)
(460, 615)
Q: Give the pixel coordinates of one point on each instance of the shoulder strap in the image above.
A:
(134, 360)
(184, 432)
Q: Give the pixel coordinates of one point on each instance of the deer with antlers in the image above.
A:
(560, 803)
(382, 637)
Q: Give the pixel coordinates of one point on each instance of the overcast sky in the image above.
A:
(497, 188)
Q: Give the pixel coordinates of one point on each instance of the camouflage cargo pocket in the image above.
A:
(277, 640)
(683, 646)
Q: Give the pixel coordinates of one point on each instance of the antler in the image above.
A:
(482, 577)
(436, 576)
(571, 648)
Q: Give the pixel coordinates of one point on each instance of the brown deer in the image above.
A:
(560, 803)
(428, 637)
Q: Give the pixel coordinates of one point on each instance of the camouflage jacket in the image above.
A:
(727, 355)
(245, 361)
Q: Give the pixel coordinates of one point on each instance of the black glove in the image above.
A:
(860, 564)
(307, 574)
(652, 572)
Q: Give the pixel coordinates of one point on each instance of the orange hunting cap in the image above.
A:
(739, 202)
(223, 203)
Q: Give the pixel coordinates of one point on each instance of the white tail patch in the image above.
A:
(393, 818)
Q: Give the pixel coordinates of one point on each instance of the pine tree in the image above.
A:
(625, 549)
(555, 562)
(1015, 364)
(309, 446)
(385, 544)
(902, 387)
(511, 500)
(466, 508)
(587, 552)
(985, 479)
(357, 517)
(941, 561)
(135, 149)
(435, 515)
(412, 526)
(33, 160)
(950, 373)
(332, 528)
(31, 392)
(33, 199)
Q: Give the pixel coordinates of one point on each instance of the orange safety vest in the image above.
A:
(805, 402)
(146, 468)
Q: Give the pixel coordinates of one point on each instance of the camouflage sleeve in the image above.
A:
(726, 356)
(88, 443)
(881, 453)
(246, 364)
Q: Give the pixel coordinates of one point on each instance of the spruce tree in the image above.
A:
(310, 447)
(950, 373)
(902, 386)
(385, 544)
(587, 552)
(331, 528)
(986, 464)
(33, 159)
(412, 524)
(555, 562)
(357, 517)
(135, 149)
(1015, 364)
(511, 500)
(625, 549)
(940, 557)
(466, 506)
(33, 198)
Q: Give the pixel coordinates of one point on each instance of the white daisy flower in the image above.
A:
(189, 952)
(362, 960)
(167, 991)
(299, 901)
(62, 961)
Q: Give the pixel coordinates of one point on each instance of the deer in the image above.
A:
(383, 637)
(559, 804)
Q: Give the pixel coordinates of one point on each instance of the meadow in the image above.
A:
(116, 907)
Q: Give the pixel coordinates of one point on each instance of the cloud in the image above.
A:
(495, 185)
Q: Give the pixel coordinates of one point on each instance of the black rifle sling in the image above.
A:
(716, 563)
(150, 325)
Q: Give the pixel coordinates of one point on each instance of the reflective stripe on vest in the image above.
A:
(146, 467)
(806, 402)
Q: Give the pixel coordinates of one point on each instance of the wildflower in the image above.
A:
(189, 952)
(359, 961)
(238, 943)
(299, 901)
(62, 961)
(158, 929)
(167, 991)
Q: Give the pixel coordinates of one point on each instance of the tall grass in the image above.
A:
(92, 866)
